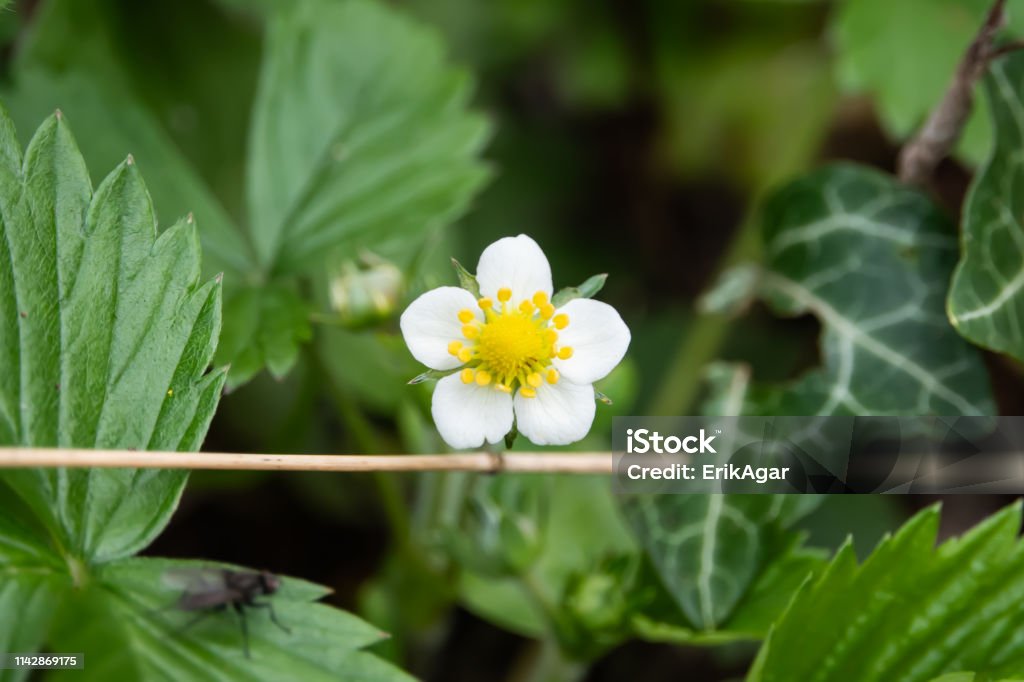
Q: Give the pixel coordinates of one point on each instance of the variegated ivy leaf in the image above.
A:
(710, 551)
(986, 300)
(869, 258)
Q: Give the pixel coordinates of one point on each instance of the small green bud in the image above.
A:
(366, 290)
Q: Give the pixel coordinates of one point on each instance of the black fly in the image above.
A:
(212, 589)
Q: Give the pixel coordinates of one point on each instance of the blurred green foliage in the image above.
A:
(929, 36)
(316, 140)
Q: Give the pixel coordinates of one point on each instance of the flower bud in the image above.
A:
(366, 290)
(599, 603)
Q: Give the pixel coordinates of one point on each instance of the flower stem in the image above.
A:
(703, 338)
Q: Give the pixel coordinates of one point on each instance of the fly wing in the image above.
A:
(194, 579)
(201, 587)
(197, 601)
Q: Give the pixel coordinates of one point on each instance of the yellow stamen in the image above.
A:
(509, 343)
(511, 346)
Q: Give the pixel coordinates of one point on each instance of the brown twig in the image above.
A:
(933, 142)
(1006, 48)
(523, 462)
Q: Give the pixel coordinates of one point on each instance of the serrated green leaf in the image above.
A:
(130, 601)
(127, 126)
(84, 76)
(382, 90)
(70, 58)
(870, 259)
(910, 612)
(360, 132)
(930, 37)
(106, 332)
(986, 303)
(588, 289)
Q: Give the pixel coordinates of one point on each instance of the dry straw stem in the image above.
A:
(521, 462)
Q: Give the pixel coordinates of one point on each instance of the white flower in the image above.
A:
(519, 355)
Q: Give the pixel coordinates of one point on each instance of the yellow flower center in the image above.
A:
(514, 345)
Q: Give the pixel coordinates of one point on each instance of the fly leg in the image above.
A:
(240, 610)
(273, 614)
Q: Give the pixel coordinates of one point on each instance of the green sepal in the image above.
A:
(588, 289)
(510, 437)
(432, 375)
(467, 280)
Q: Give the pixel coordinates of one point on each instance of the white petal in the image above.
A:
(431, 322)
(517, 263)
(560, 413)
(467, 414)
(598, 338)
